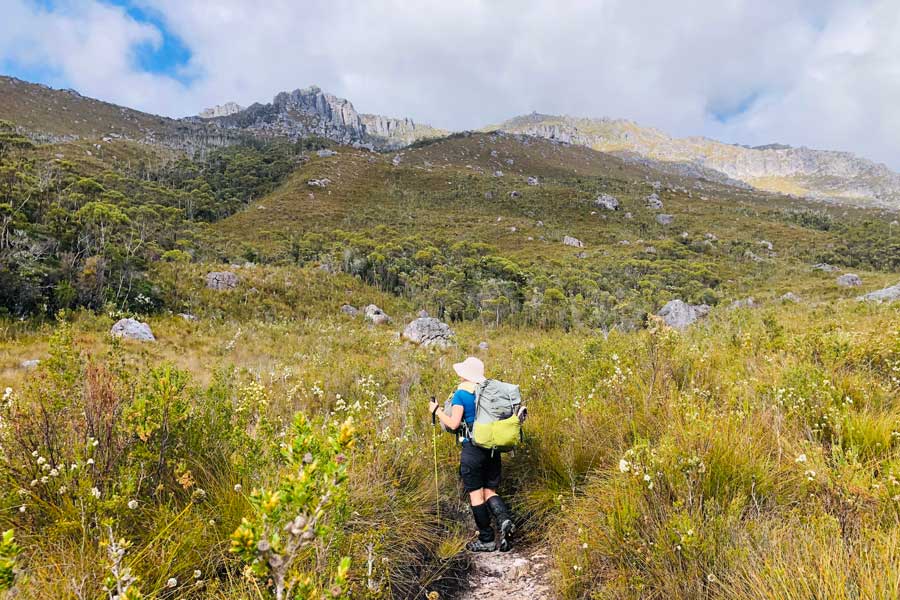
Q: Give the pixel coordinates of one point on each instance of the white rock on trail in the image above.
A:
(132, 329)
(514, 575)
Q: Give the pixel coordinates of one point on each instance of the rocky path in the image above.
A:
(519, 574)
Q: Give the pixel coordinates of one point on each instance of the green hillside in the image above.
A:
(267, 437)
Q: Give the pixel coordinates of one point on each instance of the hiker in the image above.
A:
(479, 467)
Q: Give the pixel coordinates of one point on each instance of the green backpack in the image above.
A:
(499, 414)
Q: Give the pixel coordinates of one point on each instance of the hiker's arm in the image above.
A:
(452, 420)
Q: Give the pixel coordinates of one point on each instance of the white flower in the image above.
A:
(63, 489)
(45, 479)
(54, 473)
(197, 574)
(238, 487)
(810, 475)
(584, 546)
(35, 454)
(41, 460)
(34, 482)
(22, 508)
(624, 465)
(172, 582)
(800, 459)
(90, 461)
(95, 493)
(132, 504)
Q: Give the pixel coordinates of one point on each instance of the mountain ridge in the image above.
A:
(49, 115)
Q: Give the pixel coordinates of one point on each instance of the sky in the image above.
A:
(819, 73)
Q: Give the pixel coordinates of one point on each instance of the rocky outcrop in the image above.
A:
(680, 314)
(888, 294)
(665, 219)
(376, 315)
(428, 331)
(221, 110)
(743, 303)
(653, 202)
(132, 329)
(221, 280)
(790, 297)
(574, 242)
(818, 174)
(607, 202)
(350, 311)
(849, 280)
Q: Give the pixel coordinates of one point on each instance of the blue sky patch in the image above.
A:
(723, 112)
(170, 57)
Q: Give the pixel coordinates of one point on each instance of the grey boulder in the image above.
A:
(376, 315)
(574, 242)
(349, 310)
(608, 202)
(665, 219)
(132, 329)
(428, 331)
(679, 314)
(849, 280)
(888, 294)
(653, 202)
(221, 280)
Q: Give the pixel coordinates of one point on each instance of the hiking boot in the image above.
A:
(507, 528)
(479, 546)
(505, 524)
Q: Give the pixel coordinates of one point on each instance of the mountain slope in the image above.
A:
(819, 174)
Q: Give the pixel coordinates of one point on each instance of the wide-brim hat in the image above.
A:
(471, 369)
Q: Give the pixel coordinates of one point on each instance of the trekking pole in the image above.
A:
(437, 490)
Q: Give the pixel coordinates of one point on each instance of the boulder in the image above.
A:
(888, 294)
(349, 310)
(325, 153)
(30, 364)
(574, 242)
(608, 202)
(533, 181)
(825, 267)
(514, 194)
(482, 345)
(680, 314)
(665, 219)
(849, 280)
(498, 173)
(376, 315)
(790, 297)
(132, 329)
(428, 331)
(744, 303)
(653, 202)
(320, 183)
(221, 280)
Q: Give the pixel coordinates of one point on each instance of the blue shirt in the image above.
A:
(466, 399)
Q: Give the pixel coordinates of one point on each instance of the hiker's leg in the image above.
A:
(489, 493)
(482, 514)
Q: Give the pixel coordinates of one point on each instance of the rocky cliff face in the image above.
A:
(310, 111)
(221, 110)
(821, 174)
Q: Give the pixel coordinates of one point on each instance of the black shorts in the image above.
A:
(478, 468)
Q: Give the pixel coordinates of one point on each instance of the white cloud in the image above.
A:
(818, 72)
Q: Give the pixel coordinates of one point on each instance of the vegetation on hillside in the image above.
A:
(270, 446)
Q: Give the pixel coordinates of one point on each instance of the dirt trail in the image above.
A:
(518, 574)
